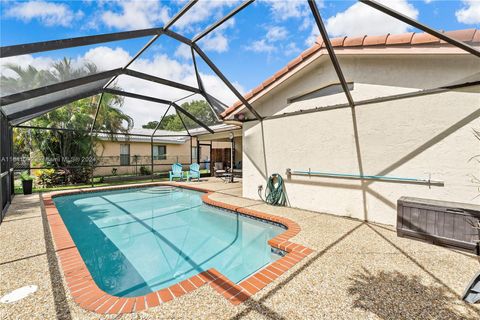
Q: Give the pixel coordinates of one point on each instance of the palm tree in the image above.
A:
(110, 116)
(26, 79)
(31, 78)
(63, 70)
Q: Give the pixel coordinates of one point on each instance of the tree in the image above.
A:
(25, 79)
(198, 108)
(31, 78)
(150, 125)
(65, 148)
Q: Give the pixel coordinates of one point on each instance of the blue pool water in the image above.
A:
(139, 240)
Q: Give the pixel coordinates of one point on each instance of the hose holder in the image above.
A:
(274, 191)
(429, 182)
(288, 173)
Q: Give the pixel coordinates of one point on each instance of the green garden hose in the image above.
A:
(275, 193)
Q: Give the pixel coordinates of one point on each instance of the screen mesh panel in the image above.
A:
(45, 103)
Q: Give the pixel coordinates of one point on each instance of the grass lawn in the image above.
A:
(18, 185)
(97, 183)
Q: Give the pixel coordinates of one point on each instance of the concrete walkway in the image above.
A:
(359, 270)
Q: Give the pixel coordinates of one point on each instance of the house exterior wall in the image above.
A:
(238, 149)
(109, 154)
(221, 144)
(423, 137)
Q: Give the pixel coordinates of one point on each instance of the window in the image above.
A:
(124, 154)
(159, 152)
(321, 92)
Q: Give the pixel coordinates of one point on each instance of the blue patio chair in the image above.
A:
(176, 171)
(194, 172)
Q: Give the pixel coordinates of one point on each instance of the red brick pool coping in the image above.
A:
(89, 296)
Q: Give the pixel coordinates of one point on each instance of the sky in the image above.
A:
(248, 49)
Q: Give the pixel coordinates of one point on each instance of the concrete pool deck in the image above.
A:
(358, 270)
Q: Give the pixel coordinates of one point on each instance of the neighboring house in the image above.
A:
(126, 154)
(428, 136)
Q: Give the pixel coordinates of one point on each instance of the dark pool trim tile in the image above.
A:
(89, 296)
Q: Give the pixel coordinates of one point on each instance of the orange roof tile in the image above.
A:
(466, 35)
(375, 40)
(281, 72)
(337, 42)
(310, 51)
(476, 36)
(422, 38)
(411, 38)
(248, 95)
(257, 89)
(267, 82)
(292, 64)
(354, 42)
(402, 38)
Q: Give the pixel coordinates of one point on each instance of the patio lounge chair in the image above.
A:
(176, 171)
(218, 169)
(194, 172)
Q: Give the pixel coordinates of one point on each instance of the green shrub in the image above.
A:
(75, 175)
(24, 176)
(144, 171)
(50, 177)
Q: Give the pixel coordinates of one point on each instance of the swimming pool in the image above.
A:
(136, 241)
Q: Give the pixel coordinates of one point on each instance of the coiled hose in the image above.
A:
(274, 194)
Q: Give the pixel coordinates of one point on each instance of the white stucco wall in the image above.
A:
(421, 137)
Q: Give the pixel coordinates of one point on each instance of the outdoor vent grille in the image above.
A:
(443, 223)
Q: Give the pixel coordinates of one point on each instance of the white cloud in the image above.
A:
(183, 51)
(291, 49)
(276, 33)
(312, 37)
(40, 63)
(360, 19)
(306, 23)
(48, 13)
(283, 10)
(470, 13)
(216, 42)
(163, 66)
(159, 65)
(203, 11)
(275, 40)
(139, 14)
(136, 15)
(106, 58)
(261, 46)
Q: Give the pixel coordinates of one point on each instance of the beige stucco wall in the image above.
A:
(421, 137)
(238, 149)
(109, 154)
(221, 144)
